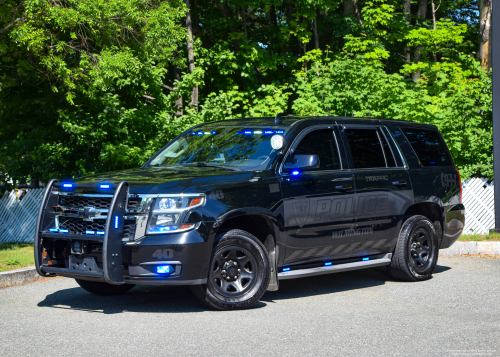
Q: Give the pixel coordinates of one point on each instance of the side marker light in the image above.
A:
(286, 269)
(116, 222)
(327, 264)
(366, 258)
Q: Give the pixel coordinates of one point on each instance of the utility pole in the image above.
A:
(496, 106)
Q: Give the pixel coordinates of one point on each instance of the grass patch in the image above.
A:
(492, 237)
(15, 256)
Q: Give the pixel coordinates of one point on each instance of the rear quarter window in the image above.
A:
(429, 147)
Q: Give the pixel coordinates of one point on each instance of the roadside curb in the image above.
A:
(472, 248)
(19, 277)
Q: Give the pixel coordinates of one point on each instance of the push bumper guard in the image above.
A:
(112, 270)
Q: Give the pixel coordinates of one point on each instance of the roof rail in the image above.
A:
(279, 117)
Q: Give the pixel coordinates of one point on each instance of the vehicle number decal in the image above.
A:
(216, 195)
(163, 253)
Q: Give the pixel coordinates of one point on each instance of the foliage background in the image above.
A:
(96, 85)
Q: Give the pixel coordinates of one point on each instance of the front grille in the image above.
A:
(96, 202)
(79, 226)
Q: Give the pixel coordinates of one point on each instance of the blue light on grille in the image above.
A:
(67, 185)
(286, 269)
(104, 185)
(54, 230)
(100, 233)
(116, 222)
(92, 233)
(327, 264)
(63, 231)
(165, 269)
(366, 258)
(295, 172)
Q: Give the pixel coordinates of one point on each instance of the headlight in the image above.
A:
(169, 213)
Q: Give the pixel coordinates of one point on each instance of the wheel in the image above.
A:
(239, 273)
(416, 253)
(104, 289)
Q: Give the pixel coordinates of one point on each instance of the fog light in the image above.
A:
(165, 269)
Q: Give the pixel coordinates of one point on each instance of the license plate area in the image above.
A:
(83, 264)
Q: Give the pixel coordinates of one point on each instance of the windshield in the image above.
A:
(231, 147)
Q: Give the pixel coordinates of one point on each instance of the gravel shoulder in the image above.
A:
(360, 313)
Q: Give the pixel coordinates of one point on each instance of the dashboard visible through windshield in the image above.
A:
(230, 147)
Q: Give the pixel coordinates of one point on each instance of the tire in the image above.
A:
(239, 273)
(104, 289)
(416, 253)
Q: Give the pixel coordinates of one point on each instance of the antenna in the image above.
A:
(345, 107)
(352, 107)
(368, 113)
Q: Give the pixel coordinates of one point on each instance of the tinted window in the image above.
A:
(389, 154)
(429, 147)
(321, 143)
(366, 148)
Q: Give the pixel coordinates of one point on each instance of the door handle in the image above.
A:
(343, 179)
(343, 187)
(399, 183)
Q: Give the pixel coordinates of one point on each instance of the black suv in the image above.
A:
(232, 207)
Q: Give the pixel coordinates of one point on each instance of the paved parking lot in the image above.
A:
(357, 313)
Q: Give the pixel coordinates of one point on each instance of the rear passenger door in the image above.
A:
(383, 187)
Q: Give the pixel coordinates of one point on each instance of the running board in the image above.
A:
(302, 273)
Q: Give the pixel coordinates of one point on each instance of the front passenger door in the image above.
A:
(318, 201)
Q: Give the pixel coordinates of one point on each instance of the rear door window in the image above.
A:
(429, 146)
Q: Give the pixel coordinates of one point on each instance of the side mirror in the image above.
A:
(303, 162)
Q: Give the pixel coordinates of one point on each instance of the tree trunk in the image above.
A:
(190, 49)
(351, 9)
(245, 22)
(421, 12)
(316, 39)
(407, 10)
(484, 53)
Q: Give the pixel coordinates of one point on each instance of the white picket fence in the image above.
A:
(479, 205)
(18, 214)
(18, 211)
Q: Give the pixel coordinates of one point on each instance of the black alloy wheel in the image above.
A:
(416, 253)
(420, 247)
(239, 272)
(233, 271)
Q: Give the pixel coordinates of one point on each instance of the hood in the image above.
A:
(170, 179)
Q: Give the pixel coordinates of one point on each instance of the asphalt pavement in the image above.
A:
(361, 313)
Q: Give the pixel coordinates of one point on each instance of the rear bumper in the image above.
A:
(453, 224)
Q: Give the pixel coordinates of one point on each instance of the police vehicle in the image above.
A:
(233, 207)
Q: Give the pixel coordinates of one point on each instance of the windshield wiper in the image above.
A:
(203, 164)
